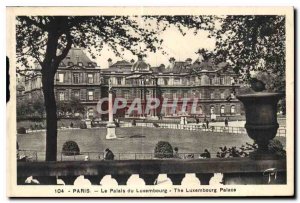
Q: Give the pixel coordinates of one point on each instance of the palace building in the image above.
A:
(209, 88)
(213, 87)
(77, 77)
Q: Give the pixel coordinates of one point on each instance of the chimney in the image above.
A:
(109, 62)
(172, 62)
(200, 57)
(140, 57)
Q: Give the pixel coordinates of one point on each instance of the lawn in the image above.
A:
(143, 141)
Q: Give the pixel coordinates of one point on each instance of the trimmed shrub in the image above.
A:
(163, 150)
(70, 148)
(21, 130)
(83, 125)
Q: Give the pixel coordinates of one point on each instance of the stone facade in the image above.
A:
(77, 77)
(212, 86)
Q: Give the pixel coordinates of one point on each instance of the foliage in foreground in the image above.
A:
(275, 146)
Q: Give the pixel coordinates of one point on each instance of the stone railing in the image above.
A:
(238, 171)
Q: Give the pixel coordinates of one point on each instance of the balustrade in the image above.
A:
(234, 170)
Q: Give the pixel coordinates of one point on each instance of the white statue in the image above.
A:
(109, 85)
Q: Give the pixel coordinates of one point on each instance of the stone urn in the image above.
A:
(261, 120)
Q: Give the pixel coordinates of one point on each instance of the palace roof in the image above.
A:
(76, 56)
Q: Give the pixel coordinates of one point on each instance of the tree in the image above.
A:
(24, 109)
(76, 106)
(48, 39)
(254, 44)
(39, 106)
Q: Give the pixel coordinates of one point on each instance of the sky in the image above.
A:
(174, 43)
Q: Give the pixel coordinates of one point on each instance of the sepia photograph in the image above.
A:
(150, 101)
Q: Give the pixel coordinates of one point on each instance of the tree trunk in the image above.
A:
(51, 117)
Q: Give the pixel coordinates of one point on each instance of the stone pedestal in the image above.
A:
(111, 131)
(88, 123)
(111, 127)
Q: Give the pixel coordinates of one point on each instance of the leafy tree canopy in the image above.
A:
(254, 45)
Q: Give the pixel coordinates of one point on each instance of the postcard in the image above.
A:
(150, 101)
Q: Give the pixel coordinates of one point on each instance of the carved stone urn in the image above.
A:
(261, 120)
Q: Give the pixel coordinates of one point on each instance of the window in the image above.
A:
(91, 113)
(106, 80)
(176, 81)
(61, 77)
(91, 95)
(126, 94)
(211, 81)
(90, 78)
(80, 64)
(232, 109)
(212, 96)
(221, 80)
(61, 96)
(75, 78)
(185, 95)
(222, 110)
(222, 96)
(128, 82)
(212, 110)
(166, 81)
(200, 96)
(174, 94)
(232, 81)
(119, 81)
(76, 93)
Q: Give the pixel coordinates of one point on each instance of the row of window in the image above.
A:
(165, 81)
(76, 78)
(62, 95)
(169, 110)
(172, 95)
(222, 109)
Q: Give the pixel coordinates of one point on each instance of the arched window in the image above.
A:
(212, 110)
(222, 110)
(232, 109)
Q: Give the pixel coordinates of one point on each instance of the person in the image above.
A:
(207, 124)
(108, 154)
(71, 125)
(226, 122)
(176, 155)
(206, 154)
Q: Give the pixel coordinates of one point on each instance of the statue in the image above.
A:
(109, 85)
